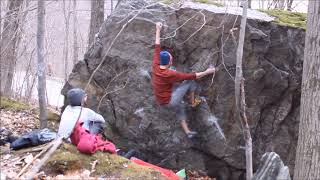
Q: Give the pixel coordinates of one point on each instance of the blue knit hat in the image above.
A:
(164, 58)
(75, 96)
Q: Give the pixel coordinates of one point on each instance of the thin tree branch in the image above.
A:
(106, 89)
(110, 46)
(204, 23)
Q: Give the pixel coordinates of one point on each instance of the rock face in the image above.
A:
(272, 65)
(272, 168)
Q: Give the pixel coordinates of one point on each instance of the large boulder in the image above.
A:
(198, 35)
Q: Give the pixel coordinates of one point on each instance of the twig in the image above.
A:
(106, 89)
(222, 55)
(175, 31)
(216, 68)
(35, 149)
(29, 8)
(93, 166)
(27, 76)
(105, 56)
(44, 149)
(204, 23)
(55, 144)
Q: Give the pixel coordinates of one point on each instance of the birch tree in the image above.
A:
(111, 5)
(9, 44)
(41, 65)
(75, 36)
(66, 40)
(307, 164)
(97, 18)
(240, 111)
(249, 3)
(1, 46)
(289, 5)
(281, 4)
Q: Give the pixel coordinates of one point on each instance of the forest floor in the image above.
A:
(19, 118)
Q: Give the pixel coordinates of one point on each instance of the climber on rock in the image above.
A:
(84, 126)
(163, 80)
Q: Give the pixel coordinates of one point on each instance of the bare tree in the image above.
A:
(240, 111)
(111, 5)
(1, 46)
(307, 165)
(97, 18)
(41, 65)
(75, 36)
(9, 44)
(281, 4)
(289, 5)
(66, 41)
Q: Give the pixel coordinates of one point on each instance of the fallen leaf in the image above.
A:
(93, 166)
(85, 174)
(12, 175)
(28, 159)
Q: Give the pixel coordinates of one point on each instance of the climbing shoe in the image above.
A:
(191, 134)
(130, 154)
(197, 101)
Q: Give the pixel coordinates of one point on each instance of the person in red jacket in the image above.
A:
(163, 80)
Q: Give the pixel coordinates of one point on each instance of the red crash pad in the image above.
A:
(166, 172)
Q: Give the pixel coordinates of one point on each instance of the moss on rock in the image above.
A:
(67, 159)
(52, 116)
(287, 18)
(7, 103)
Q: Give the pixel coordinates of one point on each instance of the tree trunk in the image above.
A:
(240, 113)
(26, 78)
(307, 164)
(54, 145)
(97, 18)
(75, 36)
(41, 65)
(289, 5)
(29, 91)
(111, 5)
(281, 4)
(9, 44)
(66, 40)
(1, 61)
(29, 79)
(249, 3)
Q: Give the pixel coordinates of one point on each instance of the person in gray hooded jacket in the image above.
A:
(92, 121)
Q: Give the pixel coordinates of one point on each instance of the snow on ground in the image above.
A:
(252, 14)
(54, 86)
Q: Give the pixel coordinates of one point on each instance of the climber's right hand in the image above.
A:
(158, 25)
(211, 70)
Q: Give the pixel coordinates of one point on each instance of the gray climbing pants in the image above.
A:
(176, 103)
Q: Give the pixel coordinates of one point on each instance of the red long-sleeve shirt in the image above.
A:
(164, 79)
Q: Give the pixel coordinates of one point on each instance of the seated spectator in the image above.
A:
(84, 126)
